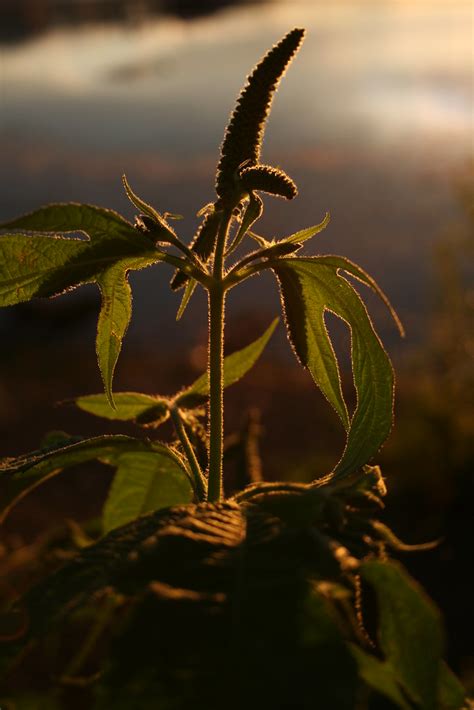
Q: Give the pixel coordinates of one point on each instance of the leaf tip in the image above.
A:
(110, 396)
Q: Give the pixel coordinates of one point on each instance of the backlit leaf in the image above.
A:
(304, 234)
(305, 299)
(409, 630)
(380, 676)
(96, 222)
(20, 475)
(252, 213)
(203, 244)
(46, 265)
(115, 315)
(128, 405)
(188, 292)
(145, 207)
(311, 287)
(343, 264)
(145, 408)
(144, 482)
(451, 694)
(235, 367)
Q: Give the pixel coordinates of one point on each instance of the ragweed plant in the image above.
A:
(207, 602)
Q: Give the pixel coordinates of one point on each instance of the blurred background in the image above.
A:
(374, 121)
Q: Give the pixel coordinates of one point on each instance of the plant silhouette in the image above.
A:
(263, 598)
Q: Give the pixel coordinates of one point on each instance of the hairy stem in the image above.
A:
(200, 483)
(239, 274)
(216, 363)
(189, 269)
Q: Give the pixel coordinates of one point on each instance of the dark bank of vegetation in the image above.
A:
(187, 591)
(22, 19)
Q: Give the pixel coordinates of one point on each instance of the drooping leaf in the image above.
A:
(236, 366)
(343, 264)
(311, 287)
(152, 409)
(115, 315)
(244, 133)
(19, 476)
(144, 482)
(253, 211)
(409, 630)
(128, 405)
(380, 676)
(305, 300)
(35, 266)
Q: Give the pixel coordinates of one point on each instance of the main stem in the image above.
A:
(216, 364)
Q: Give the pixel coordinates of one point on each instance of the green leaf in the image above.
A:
(115, 316)
(270, 251)
(96, 222)
(380, 676)
(21, 475)
(311, 287)
(146, 208)
(451, 694)
(409, 630)
(253, 212)
(128, 405)
(35, 266)
(202, 244)
(235, 367)
(144, 482)
(343, 264)
(304, 234)
(188, 292)
(306, 297)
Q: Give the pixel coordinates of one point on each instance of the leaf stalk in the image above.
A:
(200, 483)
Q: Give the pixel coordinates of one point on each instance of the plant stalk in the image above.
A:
(217, 293)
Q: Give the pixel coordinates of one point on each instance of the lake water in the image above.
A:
(374, 121)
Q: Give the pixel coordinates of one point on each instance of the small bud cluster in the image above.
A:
(268, 179)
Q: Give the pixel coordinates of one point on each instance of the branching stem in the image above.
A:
(189, 269)
(238, 274)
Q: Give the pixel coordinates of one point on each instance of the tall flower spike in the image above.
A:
(244, 134)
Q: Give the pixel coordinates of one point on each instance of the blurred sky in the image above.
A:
(374, 121)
